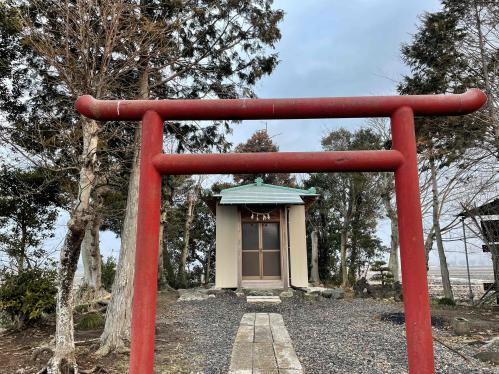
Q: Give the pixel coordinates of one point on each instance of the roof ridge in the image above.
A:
(284, 188)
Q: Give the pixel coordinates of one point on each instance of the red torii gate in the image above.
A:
(401, 160)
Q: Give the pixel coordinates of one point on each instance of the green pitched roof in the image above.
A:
(261, 193)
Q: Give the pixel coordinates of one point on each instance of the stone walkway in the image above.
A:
(263, 299)
(263, 346)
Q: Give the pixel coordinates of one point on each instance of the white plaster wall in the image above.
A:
(227, 259)
(298, 246)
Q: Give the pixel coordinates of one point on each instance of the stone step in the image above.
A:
(263, 299)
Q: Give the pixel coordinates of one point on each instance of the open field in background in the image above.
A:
(459, 275)
(459, 280)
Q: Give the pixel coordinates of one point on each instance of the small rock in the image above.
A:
(327, 293)
(240, 292)
(214, 291)
(286, 294)
(192, 298)
(315, 290)
(333, 293)
(193, 295)
(310, 296)
(490, 351)
(492, 357)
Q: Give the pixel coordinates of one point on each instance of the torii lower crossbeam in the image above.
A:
(401, 160)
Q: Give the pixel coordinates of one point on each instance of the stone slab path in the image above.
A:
(263, 346)
(263, 299)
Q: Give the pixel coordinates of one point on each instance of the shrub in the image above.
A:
(26, 296)
(446, 301)
(384, 275)
(91, 321)
(108, 271)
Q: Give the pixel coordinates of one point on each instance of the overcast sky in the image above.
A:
(335, 48)
(330, 48)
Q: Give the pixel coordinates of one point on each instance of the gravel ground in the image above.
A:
(329, 336)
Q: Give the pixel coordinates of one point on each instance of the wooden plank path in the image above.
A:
(263, 346)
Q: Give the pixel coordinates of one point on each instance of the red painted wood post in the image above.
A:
(412, 254)
(146, 257)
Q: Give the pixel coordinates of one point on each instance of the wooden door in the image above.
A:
(261, 250)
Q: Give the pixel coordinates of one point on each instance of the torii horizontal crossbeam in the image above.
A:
(277, 162)
(239, 109)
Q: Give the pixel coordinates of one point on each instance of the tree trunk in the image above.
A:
(116, 332)
(90, 254)
(353, 255)
(391, 213)
(348, 213)
(343, 259)
(314, 276)
(494, 249)
(444, 270)
(393, 261)
(428, 245)
(208, 265)
(64, 360)
(326, 266)
(21, 256)
(191, 199)
(162, 281)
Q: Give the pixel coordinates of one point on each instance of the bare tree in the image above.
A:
(387, 192)
(444, 270)
(481, 47)
(314, 274)
(445, 190)
(77, 41)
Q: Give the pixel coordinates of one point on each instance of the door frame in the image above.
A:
(280, 218)
(261, 251)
